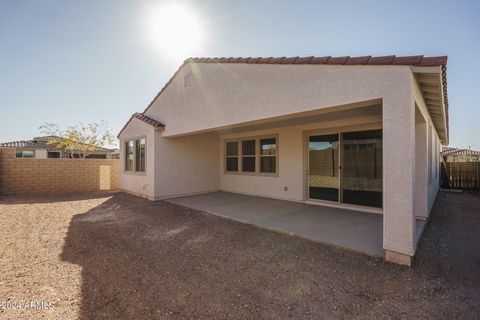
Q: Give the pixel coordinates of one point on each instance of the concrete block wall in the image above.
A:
(55, 176)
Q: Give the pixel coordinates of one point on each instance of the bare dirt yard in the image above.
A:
(116, 256)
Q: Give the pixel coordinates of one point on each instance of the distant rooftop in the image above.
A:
(42, 143)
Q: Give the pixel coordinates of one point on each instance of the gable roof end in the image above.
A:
(418, 61)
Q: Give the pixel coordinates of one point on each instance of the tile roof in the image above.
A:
(79, 146)
(347, 60)
(144, 118)
(46, 138)
(41, 143)
(22, 144)
(148, 120)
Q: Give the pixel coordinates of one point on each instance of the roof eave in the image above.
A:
(432, 83)
(158, 128)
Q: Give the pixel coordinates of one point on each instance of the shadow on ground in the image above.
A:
(155, 260)
(48, 199)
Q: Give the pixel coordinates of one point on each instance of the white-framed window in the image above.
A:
(231, 156)
(23, 153)
(249, 156)
(135, 155)
(253, 155)
(140, 155)
(268, 155)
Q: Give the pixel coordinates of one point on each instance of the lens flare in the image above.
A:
(176, 29)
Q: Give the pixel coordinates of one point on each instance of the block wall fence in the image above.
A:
(56, 176)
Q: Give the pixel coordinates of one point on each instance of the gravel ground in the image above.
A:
(116, 256)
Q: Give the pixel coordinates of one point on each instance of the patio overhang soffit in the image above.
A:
(432, 82)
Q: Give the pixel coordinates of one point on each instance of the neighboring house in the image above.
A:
(460, 155)
(354, 132)
(39, 148)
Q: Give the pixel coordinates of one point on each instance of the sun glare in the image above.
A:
(176, 29)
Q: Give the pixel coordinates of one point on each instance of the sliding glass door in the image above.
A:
(346, 168)
(362, 168)
(323, 175)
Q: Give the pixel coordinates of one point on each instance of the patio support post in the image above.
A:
(399, 171)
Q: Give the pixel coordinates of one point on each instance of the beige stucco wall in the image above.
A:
(55, 176)
(186, 165)
(174, 166)
(142, 184)
(229, 94)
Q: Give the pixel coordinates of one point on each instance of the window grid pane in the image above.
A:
(268, 146)
(248, 164)
(231, 154)
(140, 155)
(268, 164)
(129, 156)
(232, 148)
(232, 164)
(248, 148)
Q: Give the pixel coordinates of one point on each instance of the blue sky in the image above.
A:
(81, 61)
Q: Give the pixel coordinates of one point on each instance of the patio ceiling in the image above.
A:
(366, 112)
(432, 85)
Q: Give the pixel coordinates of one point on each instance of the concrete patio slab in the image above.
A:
(207, 200)
(258, 210)
(359, 231)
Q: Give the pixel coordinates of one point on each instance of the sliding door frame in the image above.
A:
(339, 131)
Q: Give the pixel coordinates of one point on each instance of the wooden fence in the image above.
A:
(461, 175)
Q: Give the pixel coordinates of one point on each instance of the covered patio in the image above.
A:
(354, 230)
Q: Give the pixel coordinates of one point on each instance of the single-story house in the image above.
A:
(362, 133)
(42, 148)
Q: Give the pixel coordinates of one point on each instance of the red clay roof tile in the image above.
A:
(357, 60)
(434, 61)
(319, 60)
(148, 120)
(289, 60)
(385, 60)
(408, 60)
(144, 118)
(304, 60)
(277, 60)
(337, 60)
(264, 60)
